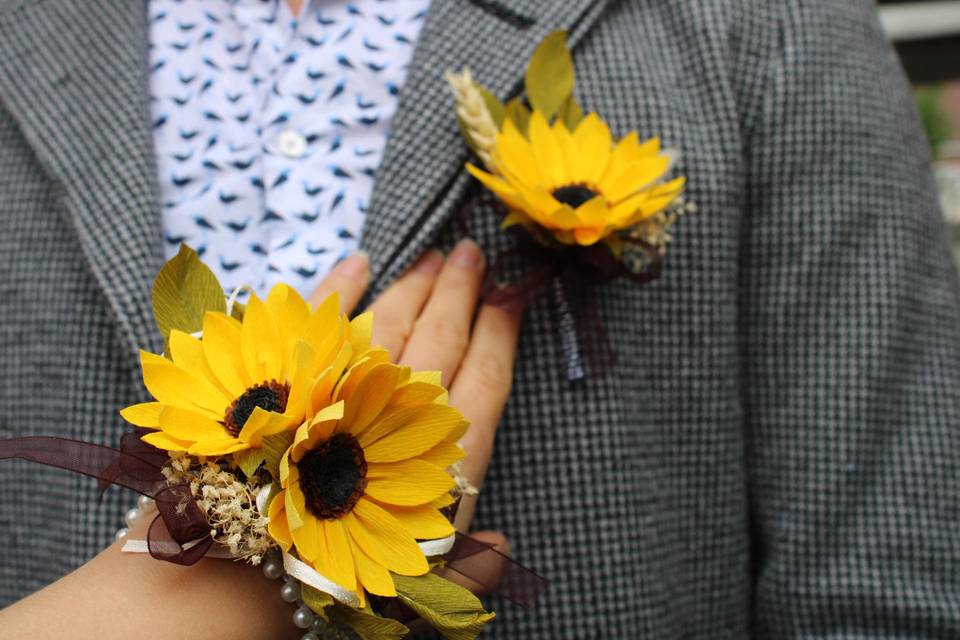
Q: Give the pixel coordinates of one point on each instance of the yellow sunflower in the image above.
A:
(366, 478)
(576, 184)
(244, 380)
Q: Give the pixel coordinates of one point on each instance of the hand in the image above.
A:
(428, 320)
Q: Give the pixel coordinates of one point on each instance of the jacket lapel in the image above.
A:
(421, 180)
(74, 75)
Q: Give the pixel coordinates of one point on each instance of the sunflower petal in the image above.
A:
(221, 348)
(260, 342)
(548, 153)
(190, 426)
(384, 539)
(424, 522)
(592, 138)
(164, 441)
(278, 528)
(402, 433)
(340, 561)
(171, 385)
(145, 414)
(373, 576)
(407, 483)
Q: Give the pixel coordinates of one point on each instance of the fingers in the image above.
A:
(442, 332)
(483, 384)
(349, 278)
(485, 569)
(397, 309)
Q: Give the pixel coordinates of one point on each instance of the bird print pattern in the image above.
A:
(269, 128)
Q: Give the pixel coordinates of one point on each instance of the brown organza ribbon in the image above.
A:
(569, 275)
(181, 534)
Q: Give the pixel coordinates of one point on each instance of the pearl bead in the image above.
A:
(121, 534)
(310, 636)
(290, 592)
(132, 516)
(303, 618)
(146, 504)
(272, 569)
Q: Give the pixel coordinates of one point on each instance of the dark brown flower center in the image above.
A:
(574, 195)
(269, 396)
(333, 477)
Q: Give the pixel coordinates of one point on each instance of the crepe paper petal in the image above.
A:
(294, 503)
(444, 454)
(384, 539)
(216, 447)
(361, 334)
(592, 137)
(374, 577)
(415, 393)
(515, 155)
(309, 540)
(407, 483)
(187, 353)
(400, 434)
(260, 342)
(547, 152)
(340, 561)
(278, 528)
(170, 384)
(317, 430)
(370, 397)
(221, 348)
(424, 522)
(185, 424)
(161, 440)
(290, 313)
(145, 414)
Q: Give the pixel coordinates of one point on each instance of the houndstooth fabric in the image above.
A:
(772, 454)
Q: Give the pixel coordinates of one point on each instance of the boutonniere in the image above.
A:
(589, 208)
(279, 436)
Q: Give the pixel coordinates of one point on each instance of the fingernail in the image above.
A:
(355, 266)
(467, 254)
(430, 263)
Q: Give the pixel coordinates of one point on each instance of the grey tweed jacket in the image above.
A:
(775, 452)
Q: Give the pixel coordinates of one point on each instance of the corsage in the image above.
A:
(588, 208)
(279, 436)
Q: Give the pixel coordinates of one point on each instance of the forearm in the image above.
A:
(121, 595)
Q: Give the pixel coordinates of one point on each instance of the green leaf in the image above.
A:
(184, 290)
(449, 608)
(369, 626)
(317, 600)
(273, 448)
(237, 311)
(518, 112)
(249, 460)
(550, 76)
(570, 114)
(494, 106)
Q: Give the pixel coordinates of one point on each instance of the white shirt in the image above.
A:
(269, 127)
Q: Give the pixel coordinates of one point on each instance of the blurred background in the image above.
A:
(927, 36)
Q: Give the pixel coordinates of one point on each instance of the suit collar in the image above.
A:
(421, 180)
(74, 76)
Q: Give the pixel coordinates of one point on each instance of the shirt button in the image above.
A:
(291, 143)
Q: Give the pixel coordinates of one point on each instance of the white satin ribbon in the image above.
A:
(298, 569)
